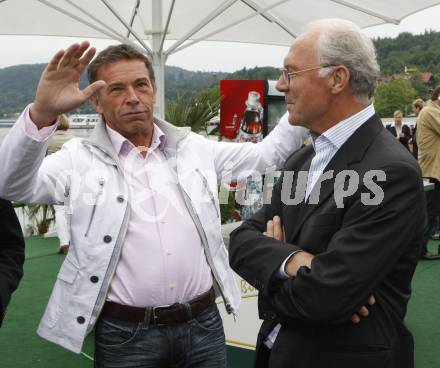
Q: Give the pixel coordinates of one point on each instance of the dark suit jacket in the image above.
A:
(359, 250)
(406, 134)
(11, 254)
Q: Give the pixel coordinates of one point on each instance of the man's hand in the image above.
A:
(363, 311)
(298, 260)
(275, 230)
(58, 90)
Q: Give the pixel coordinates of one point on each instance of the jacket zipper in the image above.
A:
(202, 233)
(101, 189)
(211, 196)
(68, 206)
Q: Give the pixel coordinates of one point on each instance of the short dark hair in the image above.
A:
(116, 53)
(435, 93)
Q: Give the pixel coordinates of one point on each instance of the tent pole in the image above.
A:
(159, 59)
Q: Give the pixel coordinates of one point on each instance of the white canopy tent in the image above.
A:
(148, 23)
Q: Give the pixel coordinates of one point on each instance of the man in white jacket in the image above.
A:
(141, 196)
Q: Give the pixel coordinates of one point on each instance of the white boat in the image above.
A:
(84, 120)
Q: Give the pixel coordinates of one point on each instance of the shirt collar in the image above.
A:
(123, 146)
(338, 134)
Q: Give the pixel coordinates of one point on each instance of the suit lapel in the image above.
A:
(302, 164)
(351, 151)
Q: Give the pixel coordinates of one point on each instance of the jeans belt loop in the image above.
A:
(188, 312)
(147, 317)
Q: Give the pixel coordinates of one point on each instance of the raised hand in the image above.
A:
(58, 90)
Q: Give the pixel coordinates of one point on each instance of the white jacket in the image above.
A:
(86, 176)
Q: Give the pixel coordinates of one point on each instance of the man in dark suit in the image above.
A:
(345, 221)
(11, 254)
(401, 132)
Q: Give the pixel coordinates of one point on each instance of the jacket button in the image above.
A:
(80, 320)
(94, 279)
(120, 198)
(107, 239)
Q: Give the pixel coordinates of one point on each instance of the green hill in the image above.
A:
(422, 52)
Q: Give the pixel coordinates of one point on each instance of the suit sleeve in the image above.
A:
(254, 256)
(11, 254)
(358, 258)
(406, 135)
(243, 159)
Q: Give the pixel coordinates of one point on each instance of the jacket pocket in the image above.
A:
(359, 357)
(61, 293)
(324, 220)
(68, 271)
(101, 182)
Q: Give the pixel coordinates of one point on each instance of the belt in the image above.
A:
(167, 315)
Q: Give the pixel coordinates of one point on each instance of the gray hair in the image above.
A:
(341, 42)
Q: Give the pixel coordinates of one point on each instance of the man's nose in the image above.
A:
(281, 84)
(132, 97)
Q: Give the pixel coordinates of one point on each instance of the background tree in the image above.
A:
(194, 112)
(397, 94)
(422, 89)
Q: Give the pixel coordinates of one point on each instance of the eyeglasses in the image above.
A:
(287, 75)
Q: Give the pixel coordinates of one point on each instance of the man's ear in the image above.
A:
(340, 79)
(94, 100)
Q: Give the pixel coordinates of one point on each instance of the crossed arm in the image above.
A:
(332, 286)
(291, 266)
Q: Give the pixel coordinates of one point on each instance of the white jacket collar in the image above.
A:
(100, 139)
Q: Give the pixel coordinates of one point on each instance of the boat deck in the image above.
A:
(20, 347)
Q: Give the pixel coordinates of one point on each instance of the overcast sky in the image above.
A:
(209, 56)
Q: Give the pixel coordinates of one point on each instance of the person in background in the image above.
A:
(11, 254)
(62, 226)
(428, 141)
(400, 131)
(417, 106)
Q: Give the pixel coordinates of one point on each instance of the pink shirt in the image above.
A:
(162, 260)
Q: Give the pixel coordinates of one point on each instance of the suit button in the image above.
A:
(107, 239)
(94, 279)
(120, 198)
(80, 320)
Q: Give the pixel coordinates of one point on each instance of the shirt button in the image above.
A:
(107, 239)
(172, 286)
(94, 279)
(80, 320)
(168, 253)
(120, 198)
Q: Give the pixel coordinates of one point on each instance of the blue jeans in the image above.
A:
(199, 343)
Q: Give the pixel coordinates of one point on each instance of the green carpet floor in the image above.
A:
(20, 347)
